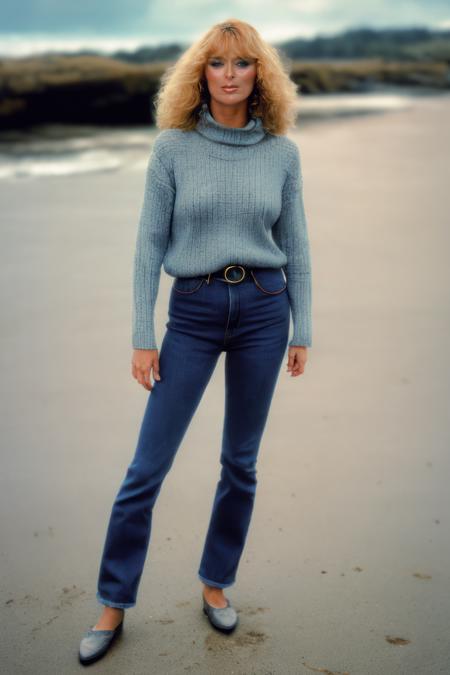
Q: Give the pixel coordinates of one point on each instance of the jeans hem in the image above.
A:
(210, 582)
(111, 603)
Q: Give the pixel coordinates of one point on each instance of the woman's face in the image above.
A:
(223, 71)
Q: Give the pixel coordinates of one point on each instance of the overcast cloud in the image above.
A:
(131, 22)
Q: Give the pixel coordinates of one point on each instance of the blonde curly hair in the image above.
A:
(184, 88)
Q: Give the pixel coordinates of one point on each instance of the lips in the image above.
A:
(229, 89)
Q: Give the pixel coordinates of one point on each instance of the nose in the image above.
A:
(229, 71)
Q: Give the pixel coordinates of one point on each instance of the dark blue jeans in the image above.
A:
(250, 322)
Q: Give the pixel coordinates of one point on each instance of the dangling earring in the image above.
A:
(254, 99)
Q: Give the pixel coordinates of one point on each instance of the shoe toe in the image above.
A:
(221, 617)
(95, 643)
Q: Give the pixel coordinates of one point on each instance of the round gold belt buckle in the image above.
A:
(234, 281)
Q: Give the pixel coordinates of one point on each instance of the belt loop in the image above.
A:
(209, 277)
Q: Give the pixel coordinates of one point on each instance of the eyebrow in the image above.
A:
(237, 57)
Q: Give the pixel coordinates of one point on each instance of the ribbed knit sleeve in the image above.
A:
(151, 243)
(291, 235)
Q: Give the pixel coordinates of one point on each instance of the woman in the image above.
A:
(223, 212)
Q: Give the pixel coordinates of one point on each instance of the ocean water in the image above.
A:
(62, 150)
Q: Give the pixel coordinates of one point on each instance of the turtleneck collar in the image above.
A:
(252, 133)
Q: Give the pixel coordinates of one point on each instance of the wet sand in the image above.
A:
(346, 567)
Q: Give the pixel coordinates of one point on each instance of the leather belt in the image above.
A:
(233, 274)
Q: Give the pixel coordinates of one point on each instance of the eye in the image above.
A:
(242, 63)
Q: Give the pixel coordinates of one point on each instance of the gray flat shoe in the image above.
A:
(223, 618)
(95, 643)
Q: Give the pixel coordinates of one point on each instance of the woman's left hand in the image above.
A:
(297, 357)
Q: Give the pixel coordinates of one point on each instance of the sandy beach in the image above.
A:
(346, 569)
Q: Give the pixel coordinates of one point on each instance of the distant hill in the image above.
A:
(401, 44)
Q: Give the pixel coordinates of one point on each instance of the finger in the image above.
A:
(299, 368)
(290, 363)
(147, 378)
(141, 379)
(295, 365)
(156, 373)
(293, 361)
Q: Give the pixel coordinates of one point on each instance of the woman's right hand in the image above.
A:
(143, 361)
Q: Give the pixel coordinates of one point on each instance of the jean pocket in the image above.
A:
(187, 285)
(269, 280)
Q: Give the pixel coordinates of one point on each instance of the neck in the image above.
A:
(236, 118)
(210, 128)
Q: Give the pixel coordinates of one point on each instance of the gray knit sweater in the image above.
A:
(216, 196)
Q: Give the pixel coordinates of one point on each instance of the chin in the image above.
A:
(230, 99)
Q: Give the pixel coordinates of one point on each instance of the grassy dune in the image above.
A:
(101, 90)
(359, 75)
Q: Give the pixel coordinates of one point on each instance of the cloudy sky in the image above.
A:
(32, 25)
